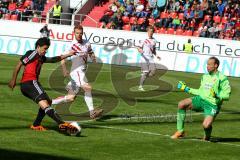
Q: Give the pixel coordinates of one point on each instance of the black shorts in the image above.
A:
(34, 91)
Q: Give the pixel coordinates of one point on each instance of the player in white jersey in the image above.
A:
(148, 51)
(78, 73)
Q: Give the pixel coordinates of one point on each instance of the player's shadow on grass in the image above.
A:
(222, 139)
(6, 154)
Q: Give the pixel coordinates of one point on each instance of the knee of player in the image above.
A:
(181, 105)
(87, 88)
(152, 73)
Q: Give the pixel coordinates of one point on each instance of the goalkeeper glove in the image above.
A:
(183, 87)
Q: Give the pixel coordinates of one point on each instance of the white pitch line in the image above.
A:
(164, 135)
(125, 118)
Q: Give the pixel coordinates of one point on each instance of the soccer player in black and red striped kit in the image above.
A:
(31, 88)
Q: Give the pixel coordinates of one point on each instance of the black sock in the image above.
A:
(53, 114)
(40, 116)
(208, 132)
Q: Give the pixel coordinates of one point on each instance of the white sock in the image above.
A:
(88, 100)
(59, 100)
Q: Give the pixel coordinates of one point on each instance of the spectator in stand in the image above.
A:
(204, 6)
(129, 9)
(192, 25)
(228, 24)
(113, 7)
(177, 6)
(212, 9)
(140, 10)
(143, 27)
(155, 13)
(134, 26)
(4, 6)
(184, 24)
(209, 22)
(168, 21)
(176, 22)
(221, 7)
(152, 3)
(203, 31)
(117, 22)
(237, 34)
(221, 35)
(105, 19)
(170, 6)
(237, 23)
(39, 5)
(27, 13)
(213, 31)
(57, 10)
(198, 14)
(12, 6)
(187, 5)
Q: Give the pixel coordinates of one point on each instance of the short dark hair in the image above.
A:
(80, 27)
(42, 41)
(189, 40)
(216, 61)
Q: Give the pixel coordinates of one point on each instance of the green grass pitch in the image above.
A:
(135, 125)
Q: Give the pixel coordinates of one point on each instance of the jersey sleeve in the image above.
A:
(196, 91)
(28, 57)
(224, 89)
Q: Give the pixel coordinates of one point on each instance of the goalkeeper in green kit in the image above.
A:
(214, 89)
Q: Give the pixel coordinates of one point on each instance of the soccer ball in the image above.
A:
(78, 132)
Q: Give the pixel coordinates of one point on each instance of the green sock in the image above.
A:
(208, 132)
(180, 119)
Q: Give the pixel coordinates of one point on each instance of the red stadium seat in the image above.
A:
(179, 31)
(132, 19)
(35, 19)
(217, 19)
(188, 33)
(181, 16)
(170, 31)
(7, 16)
(173, 15)
(196, 33)
(162, 31)
(27, 3)
(207, 17)
(224, 20)
(164, 15)
(14, 17)
(125, 19)
(127, 27)
(140, 20)
(100, 24)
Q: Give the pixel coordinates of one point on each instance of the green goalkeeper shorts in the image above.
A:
(200, 104)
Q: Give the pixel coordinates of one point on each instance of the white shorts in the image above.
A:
(147, 64)
(78, 79)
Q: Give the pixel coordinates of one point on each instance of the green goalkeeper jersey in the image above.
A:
(213, 82)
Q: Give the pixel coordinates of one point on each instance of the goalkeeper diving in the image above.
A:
(213, 90)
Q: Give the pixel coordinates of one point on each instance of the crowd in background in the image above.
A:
(21, 9)
(204, 18)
